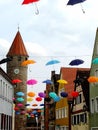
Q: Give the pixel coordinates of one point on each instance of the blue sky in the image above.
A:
(58, 32)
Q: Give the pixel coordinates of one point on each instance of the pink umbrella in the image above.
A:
(31, 82)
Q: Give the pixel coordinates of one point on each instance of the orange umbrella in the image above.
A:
(34, 105)
(31, 94)
(27, 62)
(93, 79)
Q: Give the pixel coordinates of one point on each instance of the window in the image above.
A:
(94, 128)
(79, 99)
(60, 112)
(64, 112)
(57, 114)
(96, 72)
(96, 104)
(92, 105)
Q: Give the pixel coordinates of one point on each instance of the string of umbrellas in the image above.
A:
(52, 95)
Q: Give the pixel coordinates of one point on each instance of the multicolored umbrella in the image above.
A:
(31, 82)
(76, 62)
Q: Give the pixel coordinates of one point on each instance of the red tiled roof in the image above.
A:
(69, 74)
(17, 47)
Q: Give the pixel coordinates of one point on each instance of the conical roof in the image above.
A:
(17, 48)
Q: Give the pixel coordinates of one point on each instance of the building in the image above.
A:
(94, 88)
(80, 106)
(6, 102)
(49, 109)
(63, 115)
(17, 52)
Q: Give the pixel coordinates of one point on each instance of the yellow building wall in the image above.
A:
(59, 105)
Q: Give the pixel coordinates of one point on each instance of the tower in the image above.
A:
(15, 70)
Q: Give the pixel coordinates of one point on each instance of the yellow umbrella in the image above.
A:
(62, 81)
(29, 99)
(27, 62)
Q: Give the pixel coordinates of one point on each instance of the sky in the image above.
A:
(59, 31)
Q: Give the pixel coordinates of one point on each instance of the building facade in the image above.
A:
(80, 106)
(94, 88)
(6, 102)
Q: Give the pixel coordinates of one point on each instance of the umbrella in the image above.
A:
(62, 81)
(42, 94)
(31, 82)
(75, 94)
(20, 99)
(34, 105)
(29, 99)
(48, 81)
(29, 1)
(14, 81)
(27, 62)
(95, 61)
(72, 2)
(20, 94)
(93, 79)
(76, 62)
(31, 94)
(52, 62)
(64, 94)
(38, 99)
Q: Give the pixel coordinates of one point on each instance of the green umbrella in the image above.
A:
(95, 61)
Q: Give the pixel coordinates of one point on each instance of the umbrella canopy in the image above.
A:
(47, 81)
(61, 81)
(34, 105)
(95, 61)
(52, 62)
(31, 94)
(14, 81)
(20, 99)
(64, 94)
(93, 79)
(20, 94)
(75, 94)
(76, 62)
(72, 2)
(29, 1)
(42, 94)
(27, 62)
(31, 82)
(38, 99)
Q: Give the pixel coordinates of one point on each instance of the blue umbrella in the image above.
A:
(20, 94)
(47, 81)
(95, 61)
(52, 62)
(76, 62)
(72, 2)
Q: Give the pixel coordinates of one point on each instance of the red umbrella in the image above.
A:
(38, 99)
(31, 82)
(29, 1)
(75, 94)
(14, 81)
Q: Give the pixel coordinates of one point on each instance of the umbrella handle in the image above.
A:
(82, 8)
(37, 11)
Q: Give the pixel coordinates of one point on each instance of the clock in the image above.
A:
(16, 71)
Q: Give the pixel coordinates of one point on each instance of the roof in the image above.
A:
(69, 74)
(17, 48)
